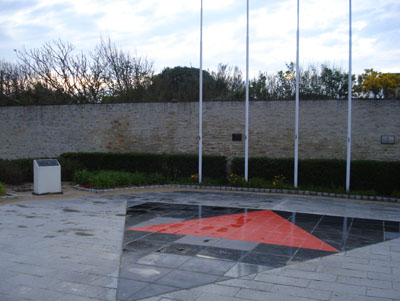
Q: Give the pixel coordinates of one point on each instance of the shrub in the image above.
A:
(2, 189)
(16, 172)
(259, 183)
(110, 178)
(235, 180)
(279, 181)
(266, 168)
(138, 179)
(82, 177)
(103, 180)
(156, 178)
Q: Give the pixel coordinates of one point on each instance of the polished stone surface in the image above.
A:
(216, 243)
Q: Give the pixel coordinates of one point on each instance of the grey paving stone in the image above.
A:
(383, 293)
(52, 258)
(338, 287)
(209, 266)
(72, 276)
(344, 297)
(347, 259)
(21, 291)
(151, 290)
(364, 282)
(163, 260)
(294, 291)
(198, 240)
(260, 295)
(143, 273)
(396, 270)
(294, 281)
(49, 295)
(303, 266)
(235, 244)
(157, 221)
(215, 297)
(248, 294)
(383, 263)
(6, 297)
(108, 282)
(308, 275)
(128, 287)
(109, 294)
(183, 295)
(79, 289)
(341, 271)
(241, 269)
(380, 276)
(368, 267)
(395, 249)
(217, 289)
(26, 268)
(186, 279)
(250, 284)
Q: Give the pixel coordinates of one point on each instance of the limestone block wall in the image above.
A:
(172, 127)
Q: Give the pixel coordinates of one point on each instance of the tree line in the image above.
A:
(56, 74)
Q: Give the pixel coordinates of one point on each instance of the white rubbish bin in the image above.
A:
(46, 176)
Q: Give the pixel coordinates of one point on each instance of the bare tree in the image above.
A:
(14, 81)
(55, 67)
(127, 77)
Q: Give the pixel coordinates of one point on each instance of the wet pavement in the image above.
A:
(168, 247)
(191, 245)
(60, 249)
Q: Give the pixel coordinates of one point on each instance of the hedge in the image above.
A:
(174, 166)
(16, 172)
(381, 176)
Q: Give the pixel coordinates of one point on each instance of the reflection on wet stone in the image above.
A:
(156, 261)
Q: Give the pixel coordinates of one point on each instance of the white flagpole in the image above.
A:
(349, 107)
(201, 96)
(296, 134)
(246, 136)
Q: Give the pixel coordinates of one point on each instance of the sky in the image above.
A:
(167, 32)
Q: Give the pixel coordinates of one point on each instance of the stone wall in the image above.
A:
(172, 127)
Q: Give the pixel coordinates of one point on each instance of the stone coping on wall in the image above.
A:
(245, 189)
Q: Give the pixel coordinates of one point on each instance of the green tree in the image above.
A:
(230, 83)
(369, 83)
(375, 84)
(333, 82)
(181, 83)
(390, 82)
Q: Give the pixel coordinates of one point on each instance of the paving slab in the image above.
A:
(61, 249)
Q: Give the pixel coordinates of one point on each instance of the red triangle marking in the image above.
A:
(258, 226)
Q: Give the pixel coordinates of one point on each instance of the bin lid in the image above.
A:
(47, 162)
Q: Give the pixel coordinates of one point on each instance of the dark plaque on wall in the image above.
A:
(387, 139)
(236, 137)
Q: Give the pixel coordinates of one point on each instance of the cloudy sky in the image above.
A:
(167, 31)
